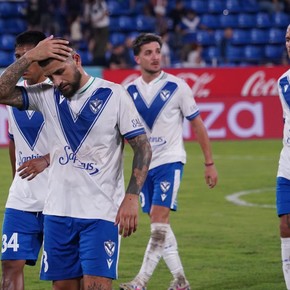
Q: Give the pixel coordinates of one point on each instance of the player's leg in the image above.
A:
(283, 211)
(12, 274)
(93, 282)
(21, 242)
(71, 284)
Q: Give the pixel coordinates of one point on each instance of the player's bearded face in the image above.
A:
(68, 89)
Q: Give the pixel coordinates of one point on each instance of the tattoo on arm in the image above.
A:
(9, 95)
(141, 162)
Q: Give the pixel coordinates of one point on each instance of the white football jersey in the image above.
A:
(27, 129)
(163, 103)
(85, 141)
(284, 94)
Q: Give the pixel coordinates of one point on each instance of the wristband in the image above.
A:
(209, 164)
(45, 160)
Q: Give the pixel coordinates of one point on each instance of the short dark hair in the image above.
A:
(145, 38)
(29, 37)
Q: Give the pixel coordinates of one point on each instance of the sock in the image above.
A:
(153, 252)
(171, 257)
(285, 251)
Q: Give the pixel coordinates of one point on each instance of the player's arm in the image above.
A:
(33, 167)
(12, 156)
(127, 216)
(211, 176)
(48, 48)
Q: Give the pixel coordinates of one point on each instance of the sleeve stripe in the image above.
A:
(191, 117)
(134, 133)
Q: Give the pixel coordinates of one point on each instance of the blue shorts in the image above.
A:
(22, 234)
(161, 186)
(282, 195)
(75, 247)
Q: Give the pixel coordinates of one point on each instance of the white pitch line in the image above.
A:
(235, 198)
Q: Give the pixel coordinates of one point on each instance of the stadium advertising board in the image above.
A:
(235, 103)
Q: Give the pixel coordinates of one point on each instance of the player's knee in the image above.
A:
(284, 230)
(11, 267)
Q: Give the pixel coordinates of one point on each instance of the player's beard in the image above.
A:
(74, 86)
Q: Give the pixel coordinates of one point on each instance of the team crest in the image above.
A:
(165, 94)
(110, 248)
(95, 105)
(165, 185)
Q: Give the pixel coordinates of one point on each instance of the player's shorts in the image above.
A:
(22, 235)
(75, 247)
(282, 195)
(161, 186)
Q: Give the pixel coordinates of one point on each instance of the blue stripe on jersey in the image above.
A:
(29, 125)
(10, 136)
(134, 133)
(285, 89)
(191, 117)
(77, 127)
(150, 112)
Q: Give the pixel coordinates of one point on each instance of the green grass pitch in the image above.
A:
(222, 245)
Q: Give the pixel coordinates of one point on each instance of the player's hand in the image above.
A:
(127, 216)
(49, 48)
(31, 168)
(211, 176)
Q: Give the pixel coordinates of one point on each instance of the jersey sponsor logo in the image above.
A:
(165, 185)
(150, 112)
(157, 141)
(23, 158)
(70, 156)
(29, 124)
(76, 127)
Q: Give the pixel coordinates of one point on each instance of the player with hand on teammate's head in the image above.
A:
(22, 231)
(163, 101)
(87, 208)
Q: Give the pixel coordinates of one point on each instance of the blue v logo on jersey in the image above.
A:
(150, 112)
(284, 84)
(29, 124)
(77, 127)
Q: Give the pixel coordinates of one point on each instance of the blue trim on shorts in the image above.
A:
(282, 195)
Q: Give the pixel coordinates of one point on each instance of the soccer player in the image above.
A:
(283, 174)
(22, 231)
(163, 101)
(87, 209)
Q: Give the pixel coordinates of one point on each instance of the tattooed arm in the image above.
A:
(48, 48)
(127, 216)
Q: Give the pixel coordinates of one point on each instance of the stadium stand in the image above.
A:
(258, 35)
